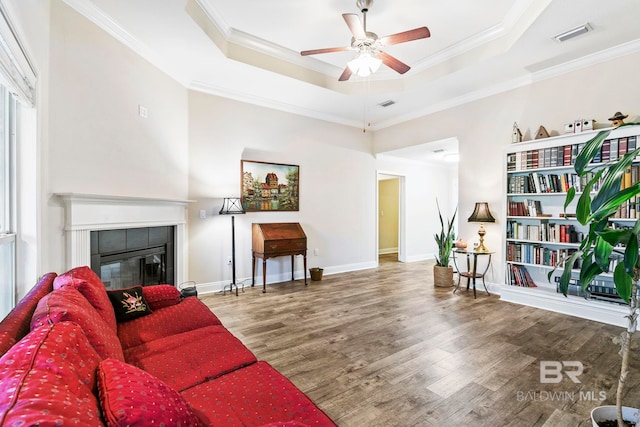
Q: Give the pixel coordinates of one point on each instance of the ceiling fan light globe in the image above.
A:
(364, 64)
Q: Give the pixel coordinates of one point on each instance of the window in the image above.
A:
(17, 83)
(7, 198)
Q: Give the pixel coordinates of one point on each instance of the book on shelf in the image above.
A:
(613, 149)
(631, 143)
(622, 146)
(604, 150)
(519, 276)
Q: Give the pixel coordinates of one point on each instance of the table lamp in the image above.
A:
(481, 214)
(232, 206)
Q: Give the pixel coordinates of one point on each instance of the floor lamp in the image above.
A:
(232, 206)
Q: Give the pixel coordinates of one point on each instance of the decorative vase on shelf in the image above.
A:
(461, 244)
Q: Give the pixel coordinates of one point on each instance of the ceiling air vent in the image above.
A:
(574, 32)
(387, 103)
(439, 150)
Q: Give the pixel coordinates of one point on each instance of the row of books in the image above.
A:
(611, 149)
(603, 290)
(536, 182)
(598, 289)
(630, 208)
(543, 232)
(524, 208)
(530, 253)
(519, 276)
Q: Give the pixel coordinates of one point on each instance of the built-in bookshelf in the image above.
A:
(539, 233)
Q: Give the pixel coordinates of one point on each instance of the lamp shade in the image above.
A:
(481, 213)
(232, 206)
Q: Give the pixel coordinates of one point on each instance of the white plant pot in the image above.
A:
(608, 412)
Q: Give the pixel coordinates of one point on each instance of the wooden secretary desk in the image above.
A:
(270, 240)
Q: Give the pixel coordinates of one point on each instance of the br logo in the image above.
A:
(552, 372)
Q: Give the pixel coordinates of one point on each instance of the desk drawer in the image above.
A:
(285, 245)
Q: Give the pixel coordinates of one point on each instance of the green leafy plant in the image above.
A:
(601, 198)
(445, 239)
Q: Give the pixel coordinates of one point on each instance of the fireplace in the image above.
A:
(136, 256)
(88, 215)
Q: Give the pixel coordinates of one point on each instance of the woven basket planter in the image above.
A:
(442, 276)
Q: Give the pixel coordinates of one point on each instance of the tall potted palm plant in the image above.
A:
(601, 198)
(442, 272)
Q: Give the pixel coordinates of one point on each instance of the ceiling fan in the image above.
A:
(369, 45)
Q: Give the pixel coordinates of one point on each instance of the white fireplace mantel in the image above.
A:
(85, 213)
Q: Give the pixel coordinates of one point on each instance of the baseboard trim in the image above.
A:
(215, 287)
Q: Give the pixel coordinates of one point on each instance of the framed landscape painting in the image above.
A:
(269, 186)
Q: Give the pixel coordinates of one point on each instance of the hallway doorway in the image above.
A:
(389, 218)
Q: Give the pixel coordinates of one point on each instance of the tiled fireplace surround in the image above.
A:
(85, 213)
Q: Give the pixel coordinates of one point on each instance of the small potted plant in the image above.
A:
(600, 200)
(442, 272)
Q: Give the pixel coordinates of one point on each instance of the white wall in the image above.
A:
(423, 184)
(337, 187)
(483, 129)
(94, 140)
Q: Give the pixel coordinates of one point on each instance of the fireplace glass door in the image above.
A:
(146, 267)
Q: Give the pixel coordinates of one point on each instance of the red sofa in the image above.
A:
(68, 358)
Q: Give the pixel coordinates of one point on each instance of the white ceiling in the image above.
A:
(249, 50)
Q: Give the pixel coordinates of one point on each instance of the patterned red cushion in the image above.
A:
(17, 324)
(129, 303)
(160, 296)
(132, 397)
(252, 396)
(190, 314)
(69, 305)
(285, 424)
(89, 285)
(189, 358)
(47, 379)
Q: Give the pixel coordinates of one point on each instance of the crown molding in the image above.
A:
(103, 21)
(269, 103)
(548, 73)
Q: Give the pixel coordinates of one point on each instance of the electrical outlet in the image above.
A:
(316, 251)
(143, 111)
(203, 214)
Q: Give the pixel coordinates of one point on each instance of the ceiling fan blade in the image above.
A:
(346, 74)
(326, 50)
(393, 63)
(406, 36)
(355, 26)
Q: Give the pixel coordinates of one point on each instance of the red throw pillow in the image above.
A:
(69, 305)
(129, 304)
(48, 379)
(130, 396)
(89, 284)
(160, 296)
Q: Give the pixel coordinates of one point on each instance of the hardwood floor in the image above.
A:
(384, 347)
